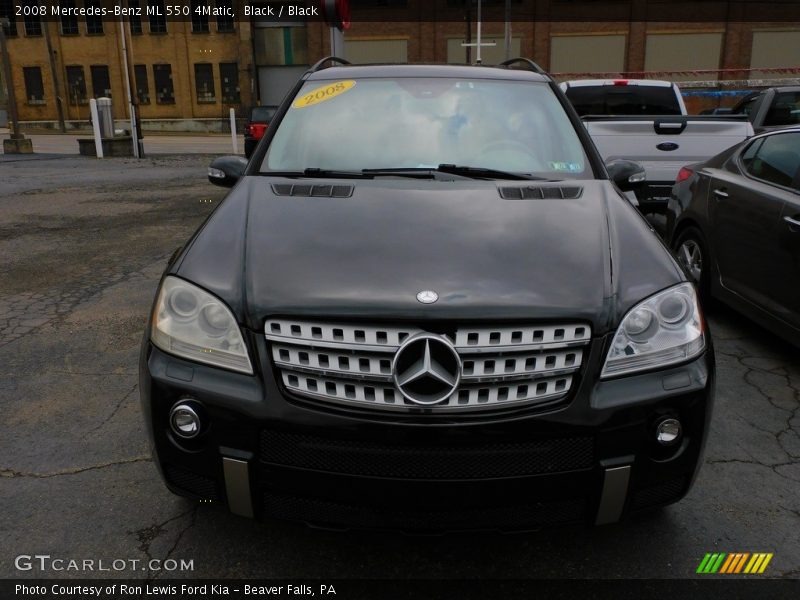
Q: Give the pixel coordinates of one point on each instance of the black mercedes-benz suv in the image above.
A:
(426, 305)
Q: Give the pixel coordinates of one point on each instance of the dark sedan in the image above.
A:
(737, 228)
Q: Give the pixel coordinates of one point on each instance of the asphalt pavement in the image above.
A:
(83, 243)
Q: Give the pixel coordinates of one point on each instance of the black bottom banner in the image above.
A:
(349, 589)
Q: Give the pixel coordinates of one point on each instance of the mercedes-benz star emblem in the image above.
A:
(427, 296)
(426, 369)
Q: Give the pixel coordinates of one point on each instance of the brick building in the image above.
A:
(188, 74)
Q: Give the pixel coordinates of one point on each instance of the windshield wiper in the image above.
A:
(484, 173)
(415, 172)
(317, 172)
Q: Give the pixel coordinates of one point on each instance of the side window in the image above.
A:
(746, 107)
(776, 160)
(785, 110)
(750, 153)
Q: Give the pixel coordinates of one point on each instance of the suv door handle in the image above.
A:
(720, 193)
(792, 223)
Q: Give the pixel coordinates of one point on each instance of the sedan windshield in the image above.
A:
(422, 123)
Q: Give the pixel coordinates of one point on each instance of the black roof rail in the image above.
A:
(524, 61)
(320, 64)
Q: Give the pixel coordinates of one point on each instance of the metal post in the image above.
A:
(234, 139)
(98, 140)
(507, 31)
(478, 59)
(13, 116)
(131, 107)
(468, 43)
(337, 42)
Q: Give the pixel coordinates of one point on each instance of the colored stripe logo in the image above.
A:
(734, 563)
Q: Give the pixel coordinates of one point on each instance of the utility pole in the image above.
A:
(478, 45)
(131, 106)
(54, 74)
(17, 143)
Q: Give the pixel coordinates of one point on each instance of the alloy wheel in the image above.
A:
(691, 258)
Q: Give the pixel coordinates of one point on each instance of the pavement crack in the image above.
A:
(772, 466)
(147, 535)
(780, 371)
(13, 473)
(116, 409)
(191, 524)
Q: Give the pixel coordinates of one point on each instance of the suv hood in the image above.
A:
(369, 254)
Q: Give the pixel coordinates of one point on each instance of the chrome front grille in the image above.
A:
(499, 366)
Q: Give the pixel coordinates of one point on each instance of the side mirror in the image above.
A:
(225, 171)
(627, 174)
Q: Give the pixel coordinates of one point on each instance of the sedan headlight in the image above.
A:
(664, 329)
(191, 323)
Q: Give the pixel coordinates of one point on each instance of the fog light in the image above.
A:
(184, 420)
(668, 431)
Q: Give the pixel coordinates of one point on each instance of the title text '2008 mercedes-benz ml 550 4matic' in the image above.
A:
(426, 305)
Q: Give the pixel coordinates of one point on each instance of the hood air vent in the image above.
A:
(541, 193)
(315, 191)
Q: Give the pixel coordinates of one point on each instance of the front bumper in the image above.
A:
(591, 460)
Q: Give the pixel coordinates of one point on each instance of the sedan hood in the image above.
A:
(367, 255)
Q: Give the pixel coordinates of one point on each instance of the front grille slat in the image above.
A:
(351, 363)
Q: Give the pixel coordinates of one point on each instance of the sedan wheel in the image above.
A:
(691, 257)
(691, 252)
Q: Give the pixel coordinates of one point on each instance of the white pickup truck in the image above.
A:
(646, 121)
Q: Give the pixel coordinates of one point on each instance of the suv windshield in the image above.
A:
(417, 123)
(623, 100)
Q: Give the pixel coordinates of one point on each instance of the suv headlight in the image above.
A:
(191, 323)
(664, 329)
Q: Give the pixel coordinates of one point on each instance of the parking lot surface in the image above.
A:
(83, 244)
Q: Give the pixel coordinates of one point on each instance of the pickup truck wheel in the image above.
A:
(690, 249)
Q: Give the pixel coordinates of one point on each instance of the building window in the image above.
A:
(158, 19)
(142, 88)
(33, 26)
(199, 21)
(225, 22)
(682, 53)
(577, 53)
(162, 76)
(69, 22)
(76, 84)
(101, 82)
(229, 82)
(204, 83)
(135, 20)
(94, 22)
(8, 11)
(34, 88)
(284, 46)
(379, 51)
